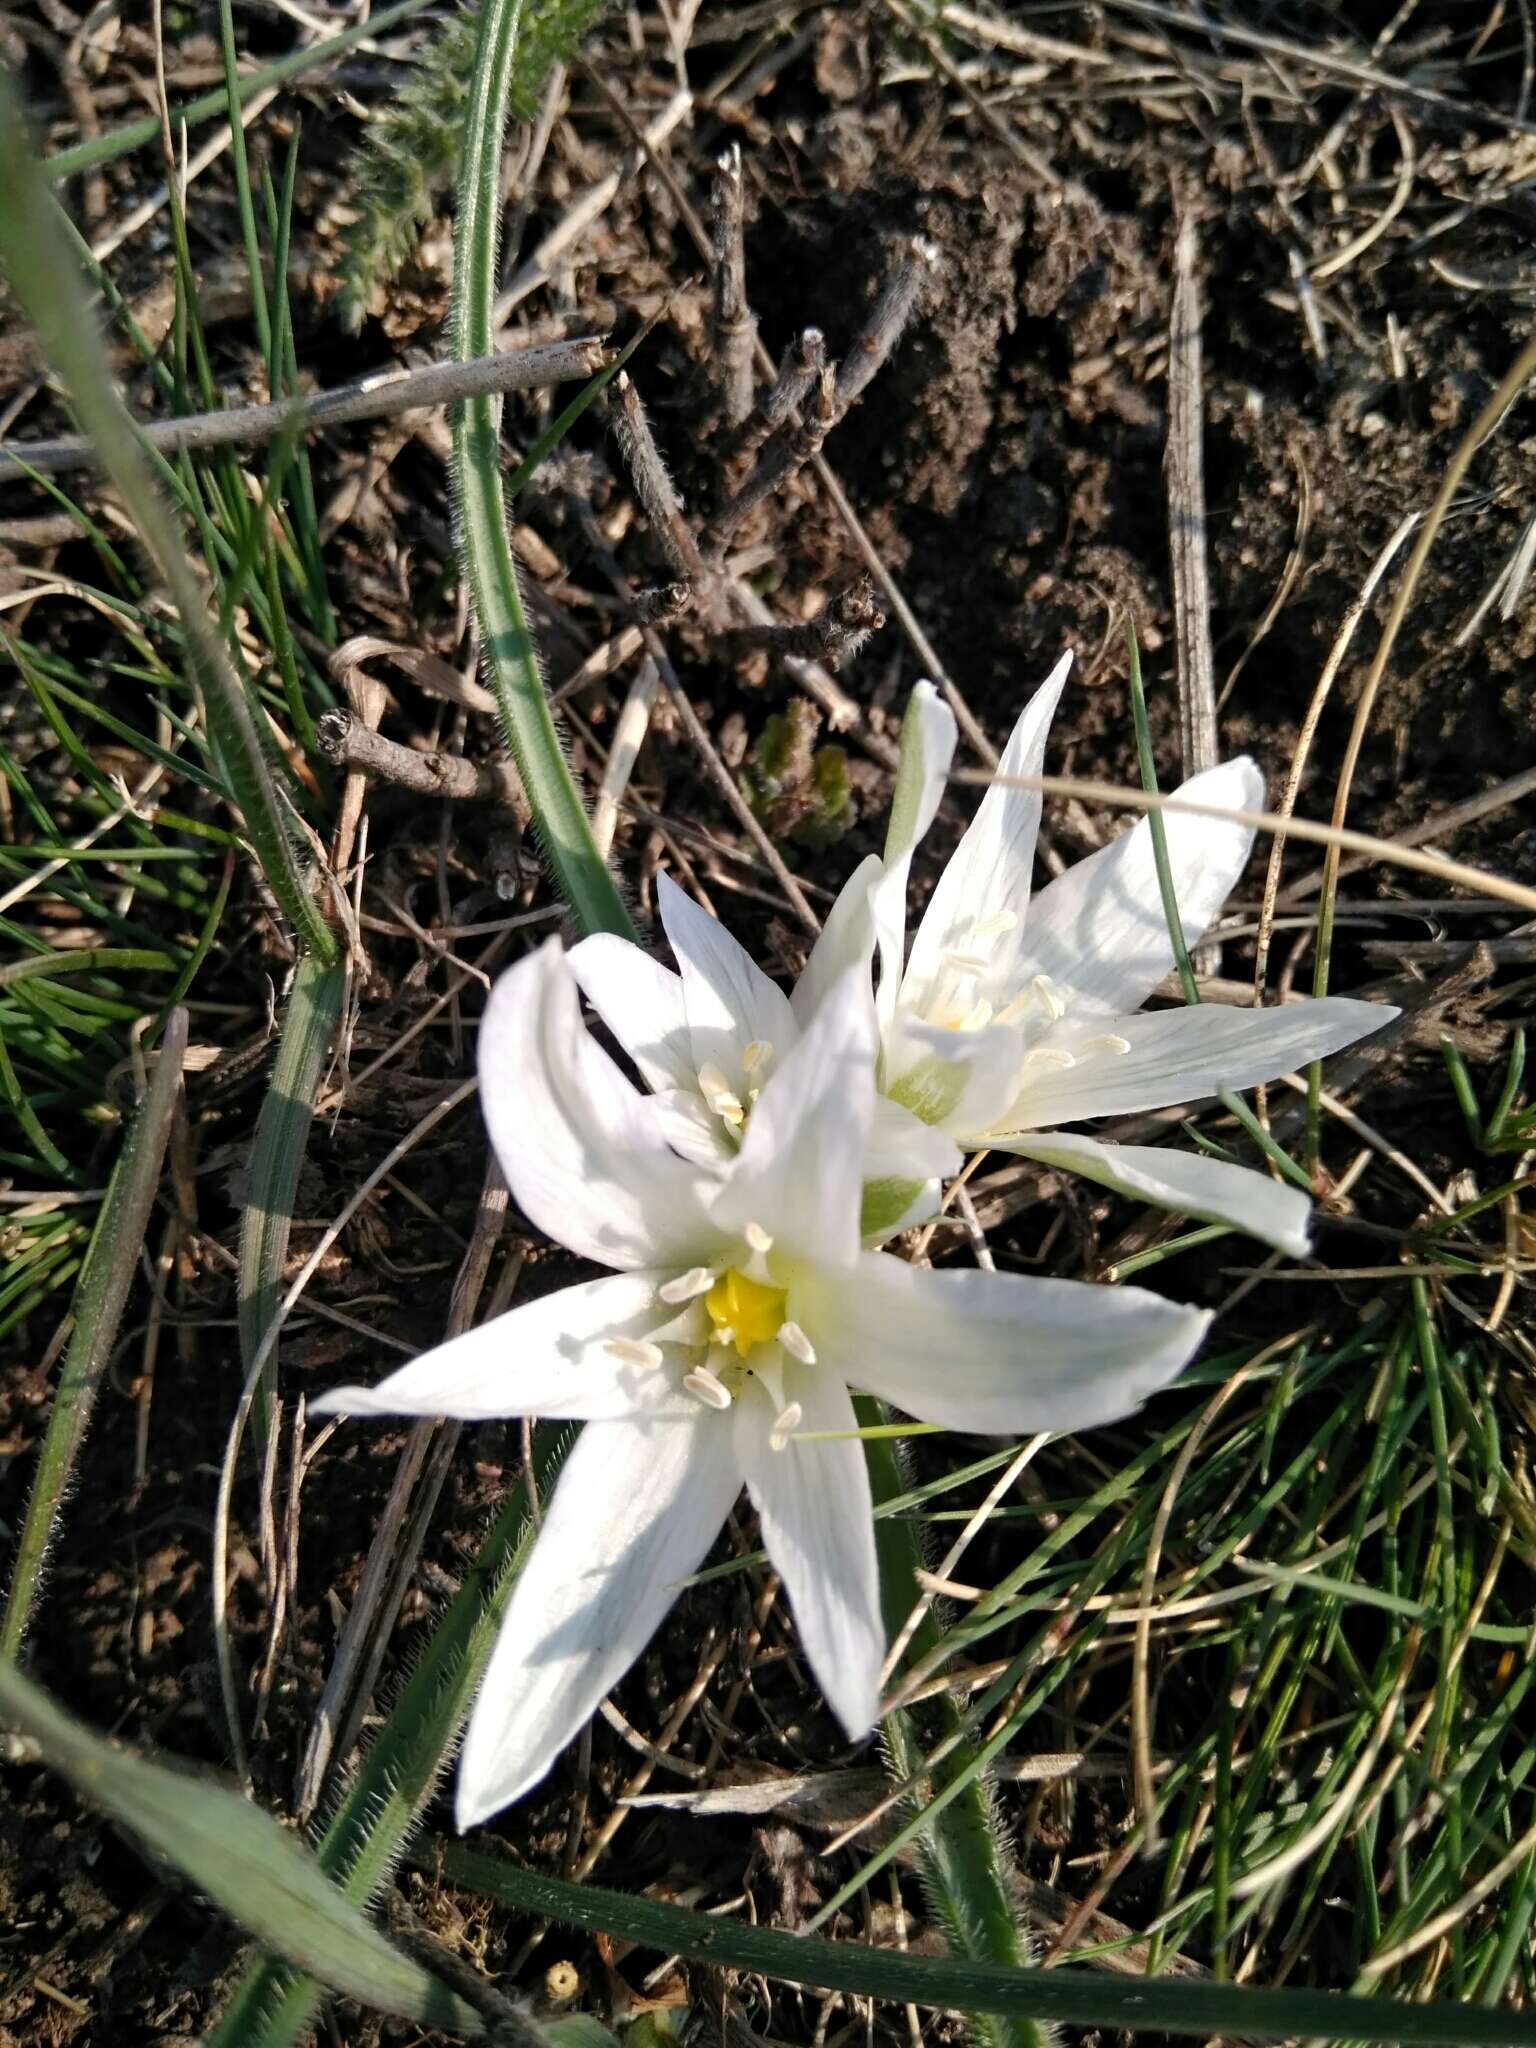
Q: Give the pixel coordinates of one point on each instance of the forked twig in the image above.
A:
(350, 743)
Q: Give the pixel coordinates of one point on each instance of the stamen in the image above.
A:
(1049, 996)
(687, 1286)
(634, 1351)
(966, 963)
(718, 1093)
(994, 927)
(784, 1428)
(758, 1238)
(796, 1343)
(756, 1055)
(1049, 1056)
(706, 1388)
(1012, 1011)
(1107, 1041)
(978, 1017)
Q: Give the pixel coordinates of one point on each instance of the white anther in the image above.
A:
(1048, 996)
(966, 963)
(1107, 1041)
(758, 1238)
(756, 1055)
(634, 1351)
(796, 1343)
(706, 1388)
(978, 1016)
(718, 1093)
(994, 927)
(785, 1427)
(687, 1286)
(1049, 1056)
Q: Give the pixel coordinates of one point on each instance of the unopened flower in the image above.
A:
(1015, 1014)
(721, 1350)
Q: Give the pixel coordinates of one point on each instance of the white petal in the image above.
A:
(847, 940)
(962, 1081)
(813, 1502)
(801, 1163)
(729, 1000)
(637, 1507)
(1099, 931)
(902, 1148)
(996, 1352)
(1188, 1182)
(691, 1128)
(928, 736)
(988, 878)
(545, 1358)
(1184, 1055)
(641, 1002)
(582, 1155)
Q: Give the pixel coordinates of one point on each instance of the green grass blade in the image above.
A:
(36, 253)
(282, 1134)
(485, 551)
(273, 2006)
(242, 174)
(564, 420)
(101, 149)
(264, 1879)
(1083, 1998)
(99, 1301)
(966, 1865)
(89, 960)
(30, 1123)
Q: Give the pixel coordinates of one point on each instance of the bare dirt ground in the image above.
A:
(1362, 250)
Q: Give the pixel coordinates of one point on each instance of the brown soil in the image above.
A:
(1008, 466)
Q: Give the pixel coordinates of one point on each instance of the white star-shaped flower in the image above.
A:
(720, 1350)
(1016, 1013)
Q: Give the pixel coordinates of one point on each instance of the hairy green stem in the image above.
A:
(100, 1297)
(485, 549)
(1083, 1998)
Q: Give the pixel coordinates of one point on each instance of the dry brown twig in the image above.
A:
(733, 322)
(380, 395)
(1184, 464)
(354, 745)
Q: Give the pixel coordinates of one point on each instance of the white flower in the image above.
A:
(1011, 1017)
(742, 1309)
(708, 1040)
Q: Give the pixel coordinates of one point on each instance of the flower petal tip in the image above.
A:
(339, 1401)
(470, 1810)
(858, 1719)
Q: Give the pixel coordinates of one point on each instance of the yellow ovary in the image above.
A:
(743, 1311)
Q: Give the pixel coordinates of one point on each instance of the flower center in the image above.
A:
(733, 1104)
(746, 1320)
(744, 1312)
